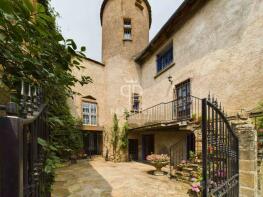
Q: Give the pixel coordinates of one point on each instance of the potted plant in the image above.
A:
(158, 161)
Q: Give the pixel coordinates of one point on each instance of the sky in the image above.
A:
(80, 20)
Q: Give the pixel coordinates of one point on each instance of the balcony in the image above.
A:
(176, 112)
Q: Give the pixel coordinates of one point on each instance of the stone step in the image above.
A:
(183, 174)
(194, 166)
(184, 181)
(187, 169)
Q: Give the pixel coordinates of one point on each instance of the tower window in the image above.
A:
(127, 29)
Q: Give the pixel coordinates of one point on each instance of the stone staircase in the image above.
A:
(187, 172)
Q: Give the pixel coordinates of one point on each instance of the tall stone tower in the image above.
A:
(125, 27)
(125, 33)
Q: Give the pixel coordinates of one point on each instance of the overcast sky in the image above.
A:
(80, 20)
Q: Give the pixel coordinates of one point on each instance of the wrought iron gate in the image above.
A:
(220, 152)
(22, 158)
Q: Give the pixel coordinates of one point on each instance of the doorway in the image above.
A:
(147, 145)
(190, 144)
(92, 143)
(133, 150)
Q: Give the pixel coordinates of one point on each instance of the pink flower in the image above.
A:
(183, 162)
(195, 189)
(158, 158)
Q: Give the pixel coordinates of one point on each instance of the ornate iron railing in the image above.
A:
(220, 152)
(22, 158)
(186, 108)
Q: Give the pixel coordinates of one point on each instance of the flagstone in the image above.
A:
(98, 178)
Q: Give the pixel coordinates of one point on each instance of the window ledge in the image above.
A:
(91, 128)
(126, 39)
(162, 71)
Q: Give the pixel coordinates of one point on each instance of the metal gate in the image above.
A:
(220, 152)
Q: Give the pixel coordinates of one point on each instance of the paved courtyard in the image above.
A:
(98, 178)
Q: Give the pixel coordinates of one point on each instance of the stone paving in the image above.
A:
(98, 178)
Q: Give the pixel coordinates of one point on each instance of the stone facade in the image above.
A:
(163, 140)
(219, 47)
(260, 179)
(96, 89)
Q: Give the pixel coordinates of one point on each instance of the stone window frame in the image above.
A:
(89, 102)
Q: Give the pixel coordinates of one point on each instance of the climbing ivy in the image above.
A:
(124, 137)
(115, 134)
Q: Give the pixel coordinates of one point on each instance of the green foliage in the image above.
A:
(124, 137)
(260, 119)
(192, 156)
(115, 134)
(126, 114)
(260, 122)
(33, 50)
(52, 160)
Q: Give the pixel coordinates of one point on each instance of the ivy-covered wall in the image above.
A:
(4, 93)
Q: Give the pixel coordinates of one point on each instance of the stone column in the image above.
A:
(248, 157)
(260, 179)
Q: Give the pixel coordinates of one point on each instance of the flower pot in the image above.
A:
(159, 166)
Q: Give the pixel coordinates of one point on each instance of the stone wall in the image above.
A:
(221, 50)
(248, 157)
(260, 178)
(95, 89)
(163, 140)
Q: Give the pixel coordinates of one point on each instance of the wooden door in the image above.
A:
(133, 149)
(147, 145)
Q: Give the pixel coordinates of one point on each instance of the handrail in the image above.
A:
(176, 110)
(162, 103)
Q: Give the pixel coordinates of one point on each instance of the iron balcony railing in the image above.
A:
(186, 108)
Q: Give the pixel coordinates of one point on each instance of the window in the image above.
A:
(89, 113)
(136, 102)
(127, 29)
(183, 93)
(165, 58)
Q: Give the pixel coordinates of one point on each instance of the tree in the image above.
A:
(32, 49)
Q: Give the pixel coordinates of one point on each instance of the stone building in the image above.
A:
(206, 46)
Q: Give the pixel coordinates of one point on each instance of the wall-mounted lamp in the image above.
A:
(170, 79)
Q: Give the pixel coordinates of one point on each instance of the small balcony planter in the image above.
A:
(158, 161)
